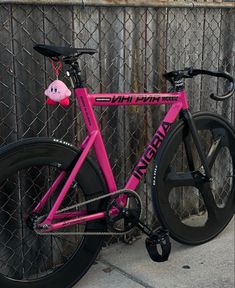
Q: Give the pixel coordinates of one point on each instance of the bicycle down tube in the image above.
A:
(86, 101)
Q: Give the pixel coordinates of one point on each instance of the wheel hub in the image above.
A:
(31, 221)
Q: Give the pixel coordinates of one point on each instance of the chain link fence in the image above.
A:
(136, 45)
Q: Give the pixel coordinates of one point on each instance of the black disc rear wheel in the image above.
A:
(30, 260)
(193, 209)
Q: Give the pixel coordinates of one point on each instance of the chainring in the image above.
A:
(123, 211)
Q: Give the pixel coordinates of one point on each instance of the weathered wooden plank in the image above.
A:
(135, 81)
(58, 28)
(184, 47)
(155, 61)
(155, 48)
(192, 55)
(8, 133)
(86, 34)
(31, 113)
(224, 108)
(210, 57)
(174, 60)
(7, 88)
(176, 29)
(226, 60)
(137, 3)
(112, 61)
(155, 68)
(58, 31)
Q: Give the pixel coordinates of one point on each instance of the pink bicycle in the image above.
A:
(58, 207)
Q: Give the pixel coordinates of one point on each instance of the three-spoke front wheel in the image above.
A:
(193, 208)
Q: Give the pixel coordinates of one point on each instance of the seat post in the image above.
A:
(75, 74)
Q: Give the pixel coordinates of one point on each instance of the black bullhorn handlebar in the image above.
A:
(190, 73)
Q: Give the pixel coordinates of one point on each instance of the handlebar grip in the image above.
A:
(231, 89)
(225, 75)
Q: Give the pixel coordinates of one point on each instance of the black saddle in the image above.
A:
(55, 52)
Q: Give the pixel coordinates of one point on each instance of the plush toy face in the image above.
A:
(57, 91)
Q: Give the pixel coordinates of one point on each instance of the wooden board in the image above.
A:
(111, 65)
(58, 27)
(7, 89)
(29, 83)
(86, 34)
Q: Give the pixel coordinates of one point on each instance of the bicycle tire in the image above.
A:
(57, 270)
(184, 207)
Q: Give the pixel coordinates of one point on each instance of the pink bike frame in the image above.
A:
(177, 100)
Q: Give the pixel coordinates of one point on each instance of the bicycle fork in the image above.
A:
(202, 179)
(190, 122)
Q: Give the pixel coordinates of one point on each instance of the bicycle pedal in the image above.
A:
(158, 245)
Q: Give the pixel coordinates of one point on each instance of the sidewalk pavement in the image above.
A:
(211, 265)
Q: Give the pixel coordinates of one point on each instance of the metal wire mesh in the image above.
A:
(22, 254)
(135, 46)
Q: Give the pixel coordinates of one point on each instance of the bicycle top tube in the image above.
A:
(87, 101)
(117, 99)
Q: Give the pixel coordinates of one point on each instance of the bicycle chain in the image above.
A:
(85, 203)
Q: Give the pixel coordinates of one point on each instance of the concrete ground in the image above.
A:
(211, 265)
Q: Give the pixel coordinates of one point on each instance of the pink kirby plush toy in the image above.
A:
(58, 92)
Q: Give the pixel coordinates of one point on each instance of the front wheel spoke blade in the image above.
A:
(209, 200)
(213, 152)
(178, 179)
